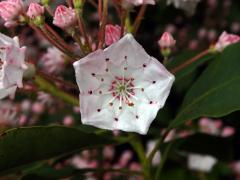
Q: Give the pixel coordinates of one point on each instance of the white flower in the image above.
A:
(11, 65)
(199, 162)
(122, 87)
(187, 5)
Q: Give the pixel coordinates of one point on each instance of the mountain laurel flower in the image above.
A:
(202, 163)
(166, 41)
(10, 10)
(112, 34)
(64, 17)
(122, 87)
(53, 61)
(12, 65)
(188, 6)
(139, 2)
(35, 10)
(225, 40)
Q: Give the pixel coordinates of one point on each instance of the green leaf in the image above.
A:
(216, 92)
(22, 146)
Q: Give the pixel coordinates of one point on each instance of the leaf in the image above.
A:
(22, 146)
(216, 92)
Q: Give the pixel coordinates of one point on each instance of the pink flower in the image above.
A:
(64, 17)
(227, 131)
(53, 61)
(166, 41)
(112, 34)
(10, 10)
(225, 40)
(35, 10)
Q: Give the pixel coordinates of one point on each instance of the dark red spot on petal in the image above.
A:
(116, 119)
(90, 92)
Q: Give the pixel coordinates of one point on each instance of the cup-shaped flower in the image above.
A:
(202, 163)
(11, 65)
(112, 34)
(122, 87)
(10, 10)
(187, 5)
(139, 2)
(64, 17)
(166, 41)
(35, 10)
(225, 40)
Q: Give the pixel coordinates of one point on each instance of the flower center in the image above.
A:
(122, 89)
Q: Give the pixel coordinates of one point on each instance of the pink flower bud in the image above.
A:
(68, 121)
(166, 41)
(64, 17)
(35, 10)
(112, 34)
(225, 40)
(228, 131)
(10, 10)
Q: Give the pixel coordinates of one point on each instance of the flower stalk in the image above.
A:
(138, 147)
(82, 28)
(138, 19)
(190, 61)
(103, 20)
(46, 86)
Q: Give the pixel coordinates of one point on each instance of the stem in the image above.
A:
(58, 38)
(103, 22)
(69, 3)
(55, 79)
(163, 160)
(157, 146)
(82, 29)
(138, 19)
(138, 147)
(100, 5)
(49, 10)
(77, 38)
(35, 28)
(123, 21)
(46, 86)
(93, 3)
(188, 62)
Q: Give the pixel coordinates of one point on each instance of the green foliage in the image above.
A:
(22, 146)
(216, 92)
